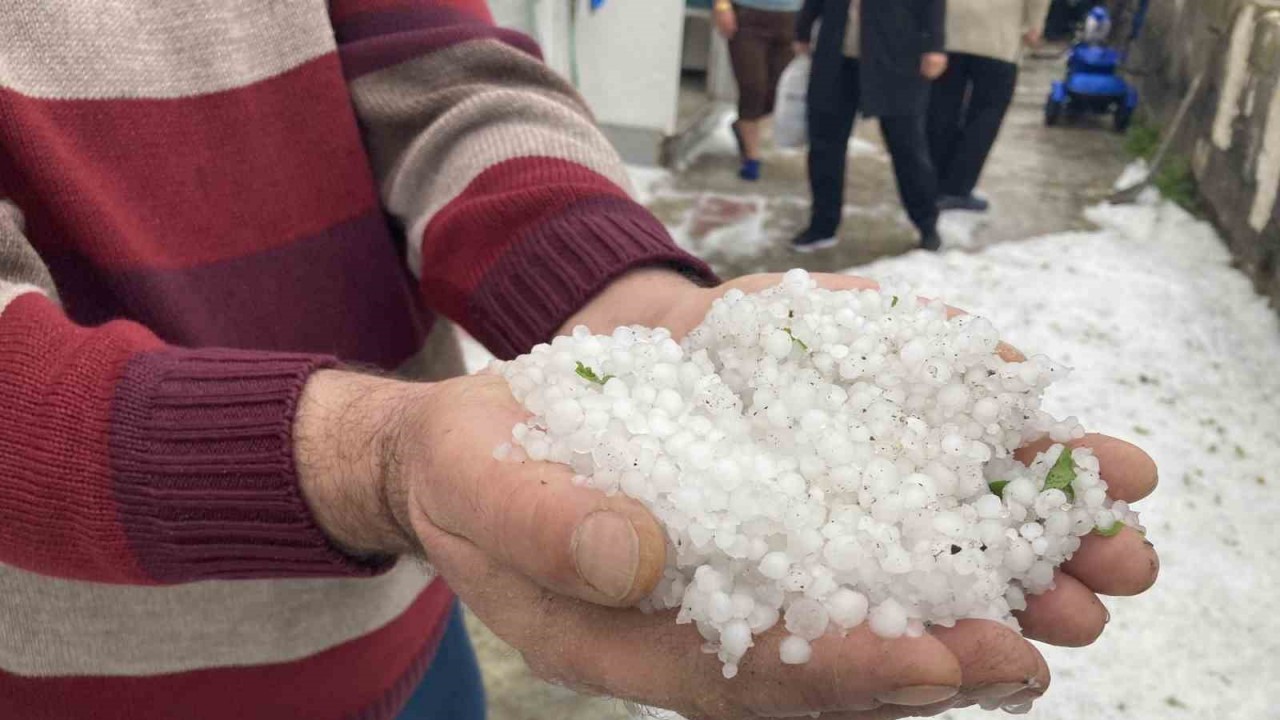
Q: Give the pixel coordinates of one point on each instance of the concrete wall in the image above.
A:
(1232, 135)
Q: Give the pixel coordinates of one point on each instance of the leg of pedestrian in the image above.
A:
(917, 181)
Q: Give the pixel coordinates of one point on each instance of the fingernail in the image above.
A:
(1019, 709)
(918, 695)
(1106, 615)
(997, 691)
(606, 551)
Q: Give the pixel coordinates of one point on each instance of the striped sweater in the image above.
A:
(202, 202)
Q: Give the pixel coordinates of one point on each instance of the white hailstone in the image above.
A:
(795, 650)
(888, 619)
(808, 450)
(847, 608)
(806, 618)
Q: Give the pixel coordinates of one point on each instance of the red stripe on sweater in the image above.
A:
(178, 183)
(368, 678)
(467, 236)
(57, 381)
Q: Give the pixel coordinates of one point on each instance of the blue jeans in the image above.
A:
(451, 689)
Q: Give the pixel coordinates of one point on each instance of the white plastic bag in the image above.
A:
(790, 124)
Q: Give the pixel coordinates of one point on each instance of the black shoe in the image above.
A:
(972, 203)
(807, 242)
(931, 241)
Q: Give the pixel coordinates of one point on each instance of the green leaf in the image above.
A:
(589, 375)
(1112, 531)
(1062, 474)
(895, 302)
(998, 487)
(796, 339)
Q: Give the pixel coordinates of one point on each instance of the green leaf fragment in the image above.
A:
(1062, 474)
(589, 375)
(895, 302)
(1112, 531)
(797, 340)
(998, 487)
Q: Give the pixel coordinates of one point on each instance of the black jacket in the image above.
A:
(895, 33)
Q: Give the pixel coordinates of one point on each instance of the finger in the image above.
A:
(1069, 615)
(529, 515)
(1125, 564)
(1129, 471)
(996, 662)
(650, 659)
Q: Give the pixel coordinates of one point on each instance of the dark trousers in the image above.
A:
(966, 108)
(452, 688)
(831, 120)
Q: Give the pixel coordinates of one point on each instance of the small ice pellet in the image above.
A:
(794, 650)
(888, 619)
(847, 608)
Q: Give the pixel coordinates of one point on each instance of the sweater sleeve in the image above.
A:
(1035, 13)
(516, 208)
(123, 460)
(809, 14)
(933, 25)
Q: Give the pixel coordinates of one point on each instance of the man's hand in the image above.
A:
(933, 64)
(1032, 37)
(392, 467)
(726, 20)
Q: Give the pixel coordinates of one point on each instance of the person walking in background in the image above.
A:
(985, 39)
(877, 57)
(760, 35)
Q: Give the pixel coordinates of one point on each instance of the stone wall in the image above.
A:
(1232, 135)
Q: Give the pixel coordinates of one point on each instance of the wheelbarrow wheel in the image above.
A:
(1123, 118)
(1053, 112)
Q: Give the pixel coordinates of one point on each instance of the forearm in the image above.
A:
(805, 19)
(516, 207)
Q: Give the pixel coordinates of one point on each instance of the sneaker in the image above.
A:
(972, 203)
(807, 242)
(931, 241)
(750, 170)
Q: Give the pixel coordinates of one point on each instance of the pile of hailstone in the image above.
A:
(821, 459)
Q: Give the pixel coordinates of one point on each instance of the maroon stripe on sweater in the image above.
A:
(371, 54)
(556, 267)
(368, 678)
(543, 236)
(57, 510)
(177, 183)
(202, 456)
(342, 11)
(342, 292)
(364, 25)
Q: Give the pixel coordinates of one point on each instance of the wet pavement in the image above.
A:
(1038, 180)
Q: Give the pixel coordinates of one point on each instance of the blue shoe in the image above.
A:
(750, 170)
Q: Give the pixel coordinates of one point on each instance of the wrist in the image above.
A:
(644, 296)
(347, 448)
